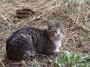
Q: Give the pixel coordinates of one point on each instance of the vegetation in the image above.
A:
(72, 59)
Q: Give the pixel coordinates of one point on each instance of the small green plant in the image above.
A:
(72, 59)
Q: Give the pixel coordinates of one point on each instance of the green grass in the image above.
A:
(72, 59)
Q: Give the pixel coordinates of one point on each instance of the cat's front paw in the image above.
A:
(57, 50)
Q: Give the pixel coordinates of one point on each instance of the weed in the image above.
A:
(72, 59)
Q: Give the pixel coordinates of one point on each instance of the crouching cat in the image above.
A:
(27, 42)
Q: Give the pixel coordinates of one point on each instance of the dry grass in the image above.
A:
(74, 15)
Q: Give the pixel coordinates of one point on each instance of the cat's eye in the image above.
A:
(52, 33)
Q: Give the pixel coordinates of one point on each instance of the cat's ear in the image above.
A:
(48, 25)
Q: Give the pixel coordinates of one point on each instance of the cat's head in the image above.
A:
(55, 31)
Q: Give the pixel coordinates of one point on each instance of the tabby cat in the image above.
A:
(27, 42)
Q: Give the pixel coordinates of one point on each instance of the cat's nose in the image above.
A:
(58, 35)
